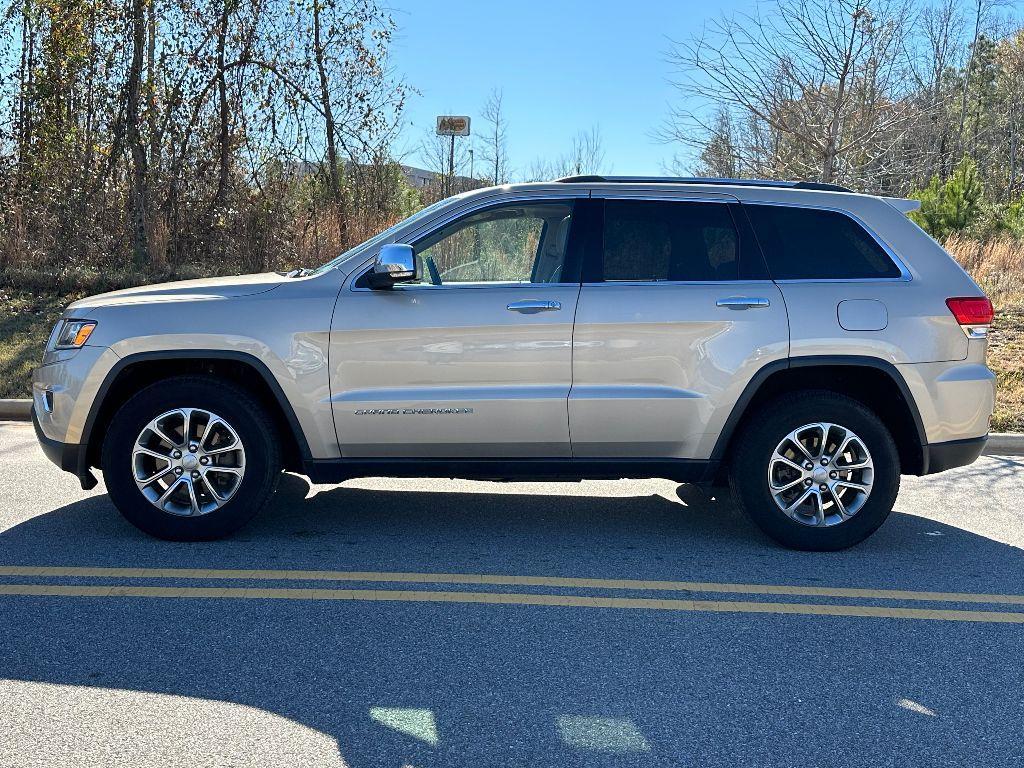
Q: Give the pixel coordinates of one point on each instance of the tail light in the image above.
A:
(974, 313)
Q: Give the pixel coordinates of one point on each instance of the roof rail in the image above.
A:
(595, 179)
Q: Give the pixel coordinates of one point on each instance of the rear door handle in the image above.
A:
(532, 306)
(742, 302)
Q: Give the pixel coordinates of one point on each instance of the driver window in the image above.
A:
(508, 244)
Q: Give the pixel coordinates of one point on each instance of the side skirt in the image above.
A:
(561, 469)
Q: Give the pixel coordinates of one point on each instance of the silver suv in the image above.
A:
(807, 343)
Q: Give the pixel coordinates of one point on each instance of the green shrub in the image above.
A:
(951, 207)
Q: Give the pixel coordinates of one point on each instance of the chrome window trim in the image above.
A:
(467, 208)
(457, 212)
(628, 283)
(690, 197)
(905, 274)
(466, 286)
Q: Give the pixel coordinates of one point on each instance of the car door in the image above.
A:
(675, 316)
(474, 357)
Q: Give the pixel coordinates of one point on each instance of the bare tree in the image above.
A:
(223, 109)
(819, 83)
(585, 156)
(330, 129)
(1011, 59)
(494, 139)
(942, 27)
(982, 9)
(720, 157)
(437, 153)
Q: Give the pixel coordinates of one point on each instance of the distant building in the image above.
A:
(418, 178)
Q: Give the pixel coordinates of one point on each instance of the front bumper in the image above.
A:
(955, 453)
(63, 390)
(68, 456)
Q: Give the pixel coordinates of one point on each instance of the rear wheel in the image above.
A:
(816, 471)
(190, 458)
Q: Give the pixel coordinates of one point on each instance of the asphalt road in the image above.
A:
(212, 656)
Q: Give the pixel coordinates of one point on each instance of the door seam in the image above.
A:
(572, 369)
(572, 352)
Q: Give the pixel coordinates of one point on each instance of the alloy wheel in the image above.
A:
(821, 474)
(188, 461)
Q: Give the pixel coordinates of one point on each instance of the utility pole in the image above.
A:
(451, 167)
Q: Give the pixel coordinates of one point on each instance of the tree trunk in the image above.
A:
(967, 82)
(497, 155)
(828, 167)
(140, 201)
(25, 89)
(334, 173)
(1011, 187)
(224, 136)
(151, 86)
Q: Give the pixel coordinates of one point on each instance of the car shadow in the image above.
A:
(689, 534)
(453, 685)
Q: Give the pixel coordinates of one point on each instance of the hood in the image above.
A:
(185, 290)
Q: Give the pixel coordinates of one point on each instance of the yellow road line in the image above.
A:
(501, 580)
(495, 598)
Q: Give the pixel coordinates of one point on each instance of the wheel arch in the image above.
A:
(876, 383)
(138, 370)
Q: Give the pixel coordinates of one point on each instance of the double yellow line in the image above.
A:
(510, 598)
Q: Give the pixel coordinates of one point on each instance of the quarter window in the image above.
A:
(668, 241)
(812, 244)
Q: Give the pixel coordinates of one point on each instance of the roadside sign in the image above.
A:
(452, 125)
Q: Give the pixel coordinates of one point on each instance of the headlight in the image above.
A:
(74, 333)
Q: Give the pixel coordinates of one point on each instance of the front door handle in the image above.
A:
(742, 302)
(532, 306)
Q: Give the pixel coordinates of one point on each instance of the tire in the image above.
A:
(754, 457)
(215, 504)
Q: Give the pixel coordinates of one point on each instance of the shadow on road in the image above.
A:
(455, 685)
(688, 536)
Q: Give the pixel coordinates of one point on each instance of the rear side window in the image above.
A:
(656, 241)
(811, 244)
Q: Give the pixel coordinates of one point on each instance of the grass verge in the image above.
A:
(26, 319)
(1006, 358)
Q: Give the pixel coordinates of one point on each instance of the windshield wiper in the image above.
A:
(299, 272)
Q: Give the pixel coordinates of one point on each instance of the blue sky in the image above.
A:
(564, 66)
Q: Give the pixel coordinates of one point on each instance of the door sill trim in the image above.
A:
(520, 469)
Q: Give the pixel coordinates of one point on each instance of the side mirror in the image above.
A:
(395, 263)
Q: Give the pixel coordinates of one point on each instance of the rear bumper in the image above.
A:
(68, 456)
(955, 453)
(955, 399)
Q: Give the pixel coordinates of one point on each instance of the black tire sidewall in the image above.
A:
(757, 442)
(246, 417)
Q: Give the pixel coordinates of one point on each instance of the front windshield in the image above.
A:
(385, 235)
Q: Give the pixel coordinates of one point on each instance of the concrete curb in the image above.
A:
(15, 410)
(1005, 443)
(1000, 443)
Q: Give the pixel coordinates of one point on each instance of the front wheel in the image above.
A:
(816, 471)
(190, 458)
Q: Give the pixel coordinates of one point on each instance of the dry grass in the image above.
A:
(1006, 358)
(998, 267)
